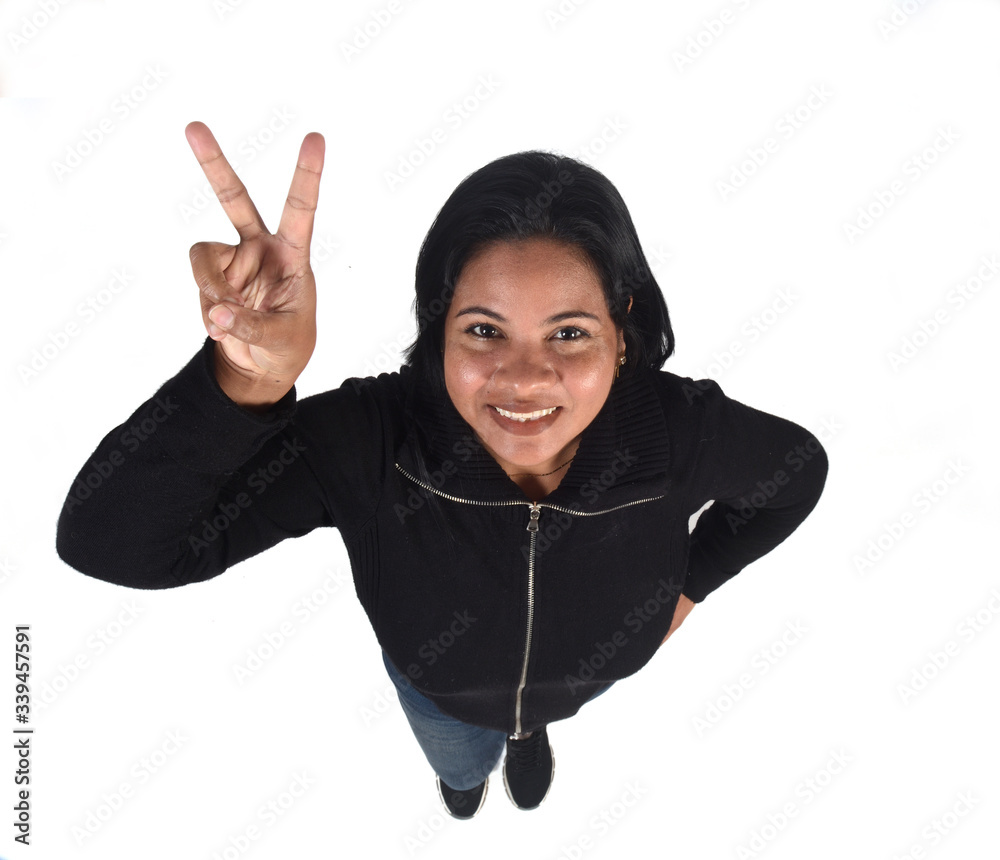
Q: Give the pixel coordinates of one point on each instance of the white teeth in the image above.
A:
(525, 416)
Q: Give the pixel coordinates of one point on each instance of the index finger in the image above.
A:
(300, 206)
(232, 193)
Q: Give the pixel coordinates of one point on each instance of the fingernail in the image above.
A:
(221, 316)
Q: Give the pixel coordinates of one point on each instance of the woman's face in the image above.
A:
(528, 329)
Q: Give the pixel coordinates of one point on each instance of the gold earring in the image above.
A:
(621, 361)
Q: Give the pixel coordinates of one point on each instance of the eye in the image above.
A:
(580, 333)
(472, 330)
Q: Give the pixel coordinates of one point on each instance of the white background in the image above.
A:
(667, 109)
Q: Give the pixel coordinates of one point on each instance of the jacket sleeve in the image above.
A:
(191, 483)
(765, 475)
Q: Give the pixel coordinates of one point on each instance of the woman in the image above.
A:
(514, 500)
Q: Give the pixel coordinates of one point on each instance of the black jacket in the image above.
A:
(507, 613)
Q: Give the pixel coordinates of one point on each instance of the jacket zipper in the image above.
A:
(534, 515)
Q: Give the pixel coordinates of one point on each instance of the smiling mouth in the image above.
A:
(526, 416)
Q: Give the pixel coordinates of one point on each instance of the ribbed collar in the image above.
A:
(623, 454)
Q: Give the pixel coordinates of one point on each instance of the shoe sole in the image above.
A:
(540, 802)
(482, 800)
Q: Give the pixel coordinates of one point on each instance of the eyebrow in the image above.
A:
(565, 315)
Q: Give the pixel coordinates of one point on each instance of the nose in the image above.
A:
(524, 370)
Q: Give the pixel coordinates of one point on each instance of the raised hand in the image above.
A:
(258, 298)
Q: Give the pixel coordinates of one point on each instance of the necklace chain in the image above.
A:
(531, 475)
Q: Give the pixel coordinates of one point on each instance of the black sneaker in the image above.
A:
(528, 769)
(462, 804)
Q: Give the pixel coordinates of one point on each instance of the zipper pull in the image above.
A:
(535, 513)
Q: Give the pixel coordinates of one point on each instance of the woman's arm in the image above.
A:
(193, 483)
(190, 484)
(212, 468)
(765, 473)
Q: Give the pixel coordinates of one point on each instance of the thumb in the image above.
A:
(208, 261)
(271, 330)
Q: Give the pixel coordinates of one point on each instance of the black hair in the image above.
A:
(539, 194)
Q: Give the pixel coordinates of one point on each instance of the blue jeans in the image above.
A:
(463, 755)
